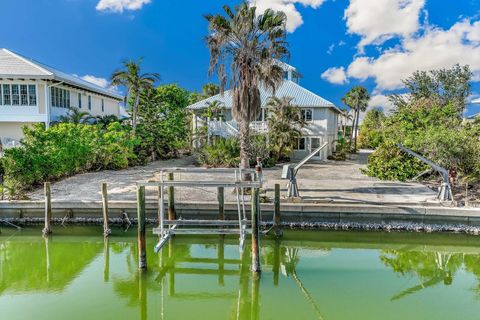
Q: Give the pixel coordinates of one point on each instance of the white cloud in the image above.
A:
(380, 101)
(101, 82)
(335, 75)
(435, 48)
(379, 20)
(120, 5)
(294, 18)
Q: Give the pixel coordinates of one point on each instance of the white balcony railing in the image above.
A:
(230, 128)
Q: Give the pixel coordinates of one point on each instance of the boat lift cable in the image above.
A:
(445, 190)
(290, 172)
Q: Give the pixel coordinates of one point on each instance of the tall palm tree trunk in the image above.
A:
(135, 112)
(356, 128)
(352, 130)
(244, 136)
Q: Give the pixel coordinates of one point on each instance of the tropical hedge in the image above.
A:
(428, 120)
(66, 149)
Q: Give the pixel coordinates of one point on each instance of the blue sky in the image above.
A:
(335, 44)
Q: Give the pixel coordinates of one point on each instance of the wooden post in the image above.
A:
(142, 253)
(255, 233)
(106, 228)
(48, 209)
(106, 259)
(276, 213)
(171, 199)
(221, 203)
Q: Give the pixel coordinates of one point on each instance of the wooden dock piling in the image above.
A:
(277, 221)
(48, 209)
(142, 252)
(106, 228)
(221, 202)
(171, 199)
(255, 231)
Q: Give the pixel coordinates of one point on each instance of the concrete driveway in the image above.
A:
(328, 181)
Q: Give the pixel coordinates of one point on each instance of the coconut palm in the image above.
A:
(285, 123)
(74, 115)
(251, 45)
(135, 82)
(357, 99)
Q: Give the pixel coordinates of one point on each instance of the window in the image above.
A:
(80, 101)
(23, 94)
(60, 97)
(6, 95)
(15, 95)
(300, 144)
(103, 105)
(89, 102)
(32, 95)
(18, 95)
(307, 114)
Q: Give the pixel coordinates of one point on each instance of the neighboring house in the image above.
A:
(31, 92)
(321, 116)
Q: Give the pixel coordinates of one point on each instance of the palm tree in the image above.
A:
(209, 90)
(251, 45)
(285, 123)
(105, 120)
(347, 116)
(357, 99)
(74, 115)
(135, 82)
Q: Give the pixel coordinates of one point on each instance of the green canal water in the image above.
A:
(307, 275)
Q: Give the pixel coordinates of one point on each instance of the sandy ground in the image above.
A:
(328, 181)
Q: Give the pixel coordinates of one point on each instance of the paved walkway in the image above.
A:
(318, 182)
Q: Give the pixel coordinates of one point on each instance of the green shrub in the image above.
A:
(390, 163)
(224, 152)
(66, 149)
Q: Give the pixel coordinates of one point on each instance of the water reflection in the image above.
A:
(430, 268)
(311, 278)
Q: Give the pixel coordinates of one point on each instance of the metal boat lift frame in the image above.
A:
(290, 172)
(445, 190)
(168, 228)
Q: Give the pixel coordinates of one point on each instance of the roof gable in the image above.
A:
(16, 65)
(301, 97)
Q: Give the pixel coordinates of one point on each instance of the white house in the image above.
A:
(31, 92)
(320, 114)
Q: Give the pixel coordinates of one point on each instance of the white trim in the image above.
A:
(297, 146)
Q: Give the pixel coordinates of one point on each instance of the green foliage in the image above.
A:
(390, 163)
(224, 152)
(260, 148)
(74, 115)
(371, 130)
(444, 86)
(66, 149)
(285, 123)
(163, 128)
(430, 124)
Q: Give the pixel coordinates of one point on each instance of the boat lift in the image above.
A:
(290, 172)
(242, 226)
(445, 190)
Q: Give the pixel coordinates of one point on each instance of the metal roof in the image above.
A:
(301, 97)
(14, 65)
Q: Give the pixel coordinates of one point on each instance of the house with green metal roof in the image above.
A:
(320, 114)
(32, 92)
